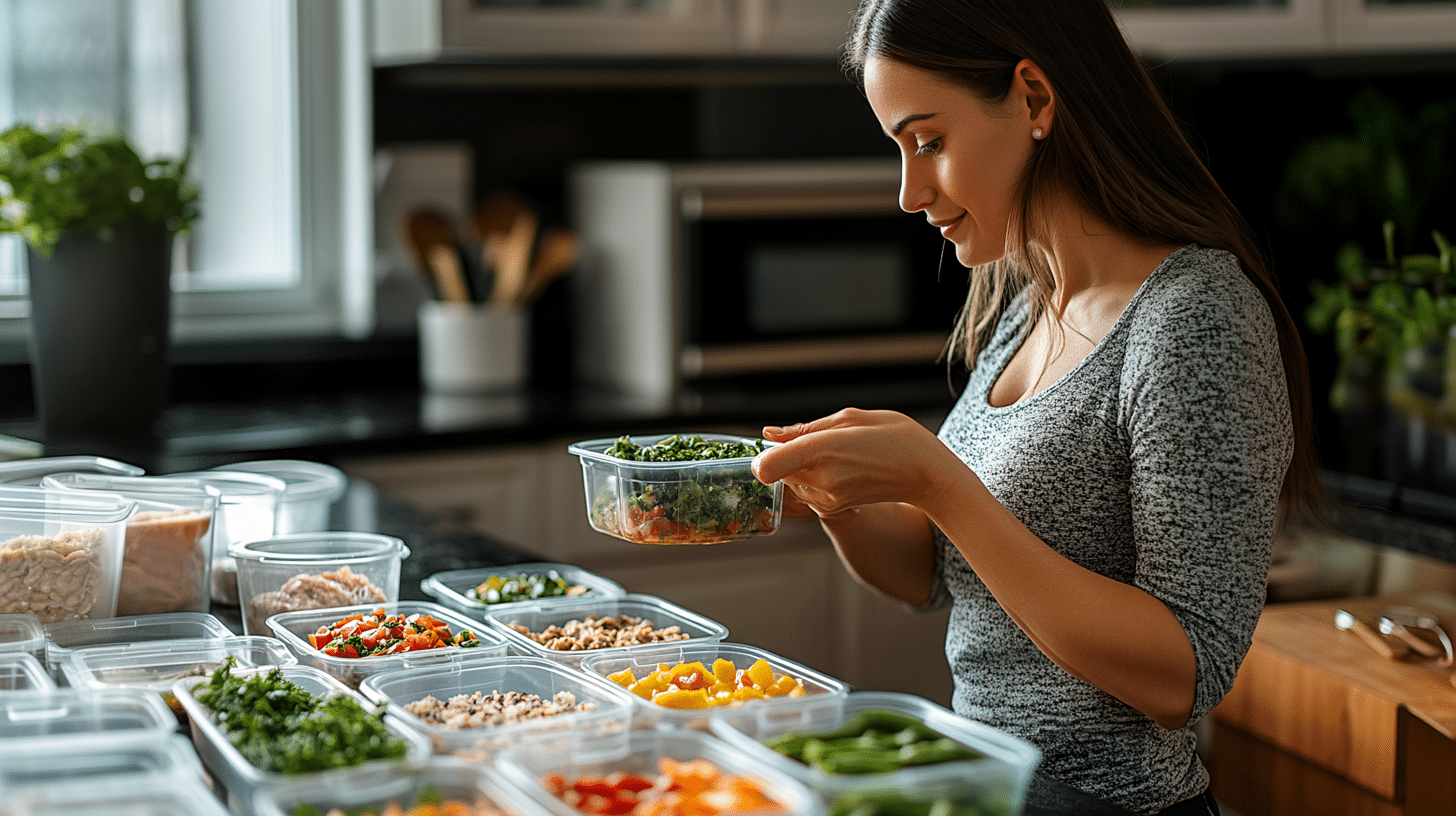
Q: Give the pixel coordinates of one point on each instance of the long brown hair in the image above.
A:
(1115, 148)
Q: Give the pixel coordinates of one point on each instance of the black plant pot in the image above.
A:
(100, 339)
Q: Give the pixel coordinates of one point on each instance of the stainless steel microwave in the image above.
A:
(696, 271)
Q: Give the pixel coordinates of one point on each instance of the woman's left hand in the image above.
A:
(854, 458)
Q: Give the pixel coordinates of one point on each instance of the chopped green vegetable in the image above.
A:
(524, 586)
(682, 449)
(279, 726)
(872, 741)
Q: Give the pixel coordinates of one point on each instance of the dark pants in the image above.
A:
(1197, 806)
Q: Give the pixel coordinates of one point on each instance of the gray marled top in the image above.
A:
(1157, 461)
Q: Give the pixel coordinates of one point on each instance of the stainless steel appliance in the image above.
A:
(697, 271)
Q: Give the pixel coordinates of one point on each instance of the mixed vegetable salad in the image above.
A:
(524, 586)
(712, 507)
(380, 633)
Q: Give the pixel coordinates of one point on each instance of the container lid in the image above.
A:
(172, 762)
(21, 632)
(156, 665)
(34, 503)
(66, 722)
(20, 671)
(306, 481)
(120, 794)
(31, 471)
(193, 494)
(238, 488)
(161, 626)
(333, 547)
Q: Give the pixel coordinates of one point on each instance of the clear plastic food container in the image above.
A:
(22, 632)
(452, 780)
(20, 671)
(526, 767)
(168, 558)
(157, 666)
(311, 489)
(176, 760)
(60, 552)
(293, 628)
(119, 796)
(454, 588)
(823, 697)
(247, 511)
(64, 638)
(34, 471)
(298, 571)
(243, 779)
(998, 779)
(66, 723)
(697, 502)
(607, 723)
(538, 616)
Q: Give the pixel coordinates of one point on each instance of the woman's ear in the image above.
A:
(1029, 83)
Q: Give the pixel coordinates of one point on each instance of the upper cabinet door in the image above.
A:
(417, 30)
(793, 28)
(1170, 29)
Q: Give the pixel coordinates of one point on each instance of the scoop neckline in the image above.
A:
(1086, 360)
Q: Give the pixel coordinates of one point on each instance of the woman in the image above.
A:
(1099, 506)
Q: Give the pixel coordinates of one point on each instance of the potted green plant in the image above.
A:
(99, 223)
(1394, 326)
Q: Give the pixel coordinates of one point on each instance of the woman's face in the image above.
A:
(961, 157)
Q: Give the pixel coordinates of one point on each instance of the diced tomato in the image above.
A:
(320, 639)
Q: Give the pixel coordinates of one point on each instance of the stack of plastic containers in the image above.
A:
(310, 489)
(65, 638)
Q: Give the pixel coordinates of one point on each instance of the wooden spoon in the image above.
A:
(432, 242)
(514, 260)
(557, 253)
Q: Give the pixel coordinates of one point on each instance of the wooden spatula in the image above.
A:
(436, 251)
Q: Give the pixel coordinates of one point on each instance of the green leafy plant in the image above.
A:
(1395, 318)
(68, 181)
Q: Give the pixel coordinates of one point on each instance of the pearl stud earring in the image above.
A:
(1036, 134)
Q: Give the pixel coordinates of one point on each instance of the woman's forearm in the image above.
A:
(887, 546)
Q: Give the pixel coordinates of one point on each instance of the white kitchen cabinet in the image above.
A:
(406, 31)
(1263, 28)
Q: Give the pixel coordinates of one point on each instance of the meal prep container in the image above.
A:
(266, 565)
(247, 510)
(243, 779)
(165, 567)
(64, 638)
(22, 632)
(612, 484)
(449, 778)
(66, 723)
(1000, 777)
(525, 767)
(175, 761)
(536, 616)
(38, 524)
(34, 471)
(450, 588)
(607, 724)
(20, 671)
(119, 796)
(824, 700)
(157, 666)
(293, 628)
(310, 490)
